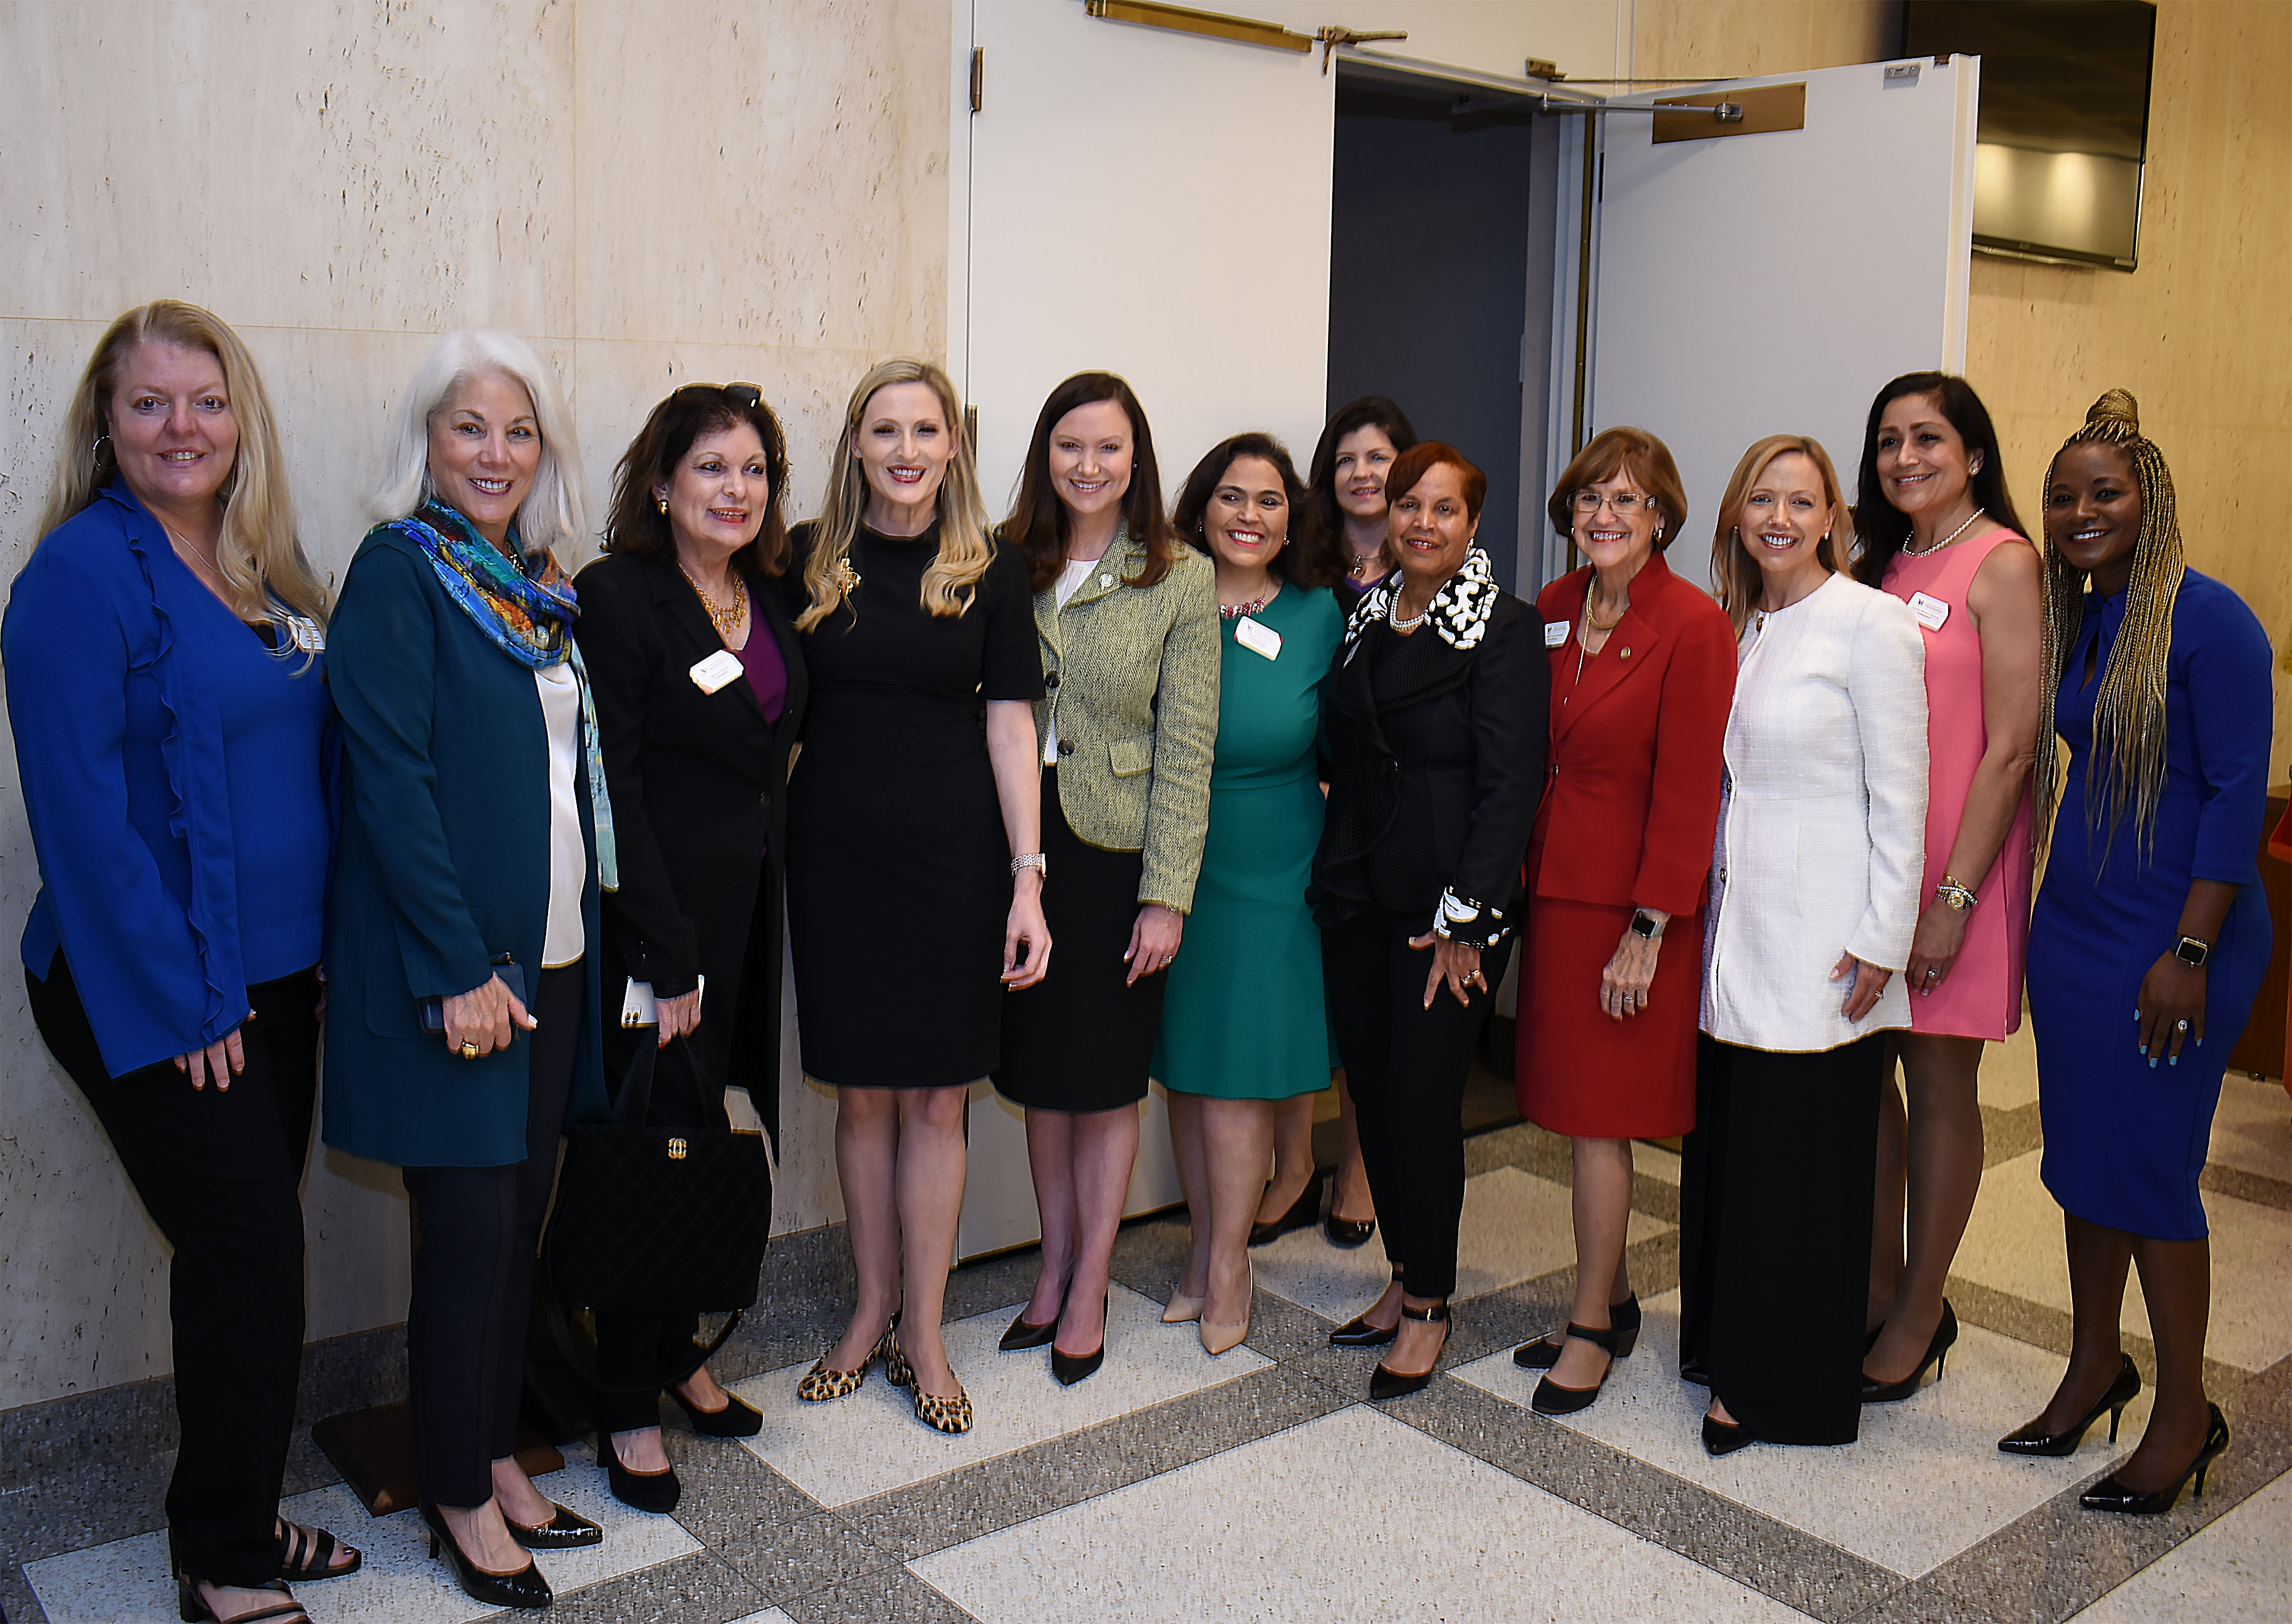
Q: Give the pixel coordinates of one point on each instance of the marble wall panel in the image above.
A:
(404, 167)
(771, 175)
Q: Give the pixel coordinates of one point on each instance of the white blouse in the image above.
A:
(1822, 817)
(562, 940)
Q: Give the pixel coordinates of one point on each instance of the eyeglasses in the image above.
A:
(747, 397)
(1625, 504)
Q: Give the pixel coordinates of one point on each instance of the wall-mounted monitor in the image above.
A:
(2064, 123)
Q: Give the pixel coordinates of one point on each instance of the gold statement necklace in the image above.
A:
(726, 621)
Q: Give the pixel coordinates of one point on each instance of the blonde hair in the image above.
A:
(965, 547)
(1734, 569)
(257, 550)
(555, 511)
(2128, 714)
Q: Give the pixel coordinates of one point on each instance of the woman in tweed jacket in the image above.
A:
(1814, 897)
(1128, 623)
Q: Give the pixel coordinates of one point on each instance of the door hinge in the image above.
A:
(978, 77)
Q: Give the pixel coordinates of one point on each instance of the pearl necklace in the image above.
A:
(727, 622)
(1392, 615)
(1920, 552)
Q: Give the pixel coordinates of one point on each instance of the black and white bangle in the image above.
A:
(1466, 922)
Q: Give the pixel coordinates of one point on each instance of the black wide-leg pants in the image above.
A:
(1407, 1067)
(477, 1231)
(220, 1171)
(1776, 1189)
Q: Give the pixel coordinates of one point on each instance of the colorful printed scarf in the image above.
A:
(529, 615)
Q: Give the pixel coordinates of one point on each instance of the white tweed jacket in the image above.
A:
(1821, 842)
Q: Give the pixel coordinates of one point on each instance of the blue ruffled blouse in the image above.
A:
(174, 771)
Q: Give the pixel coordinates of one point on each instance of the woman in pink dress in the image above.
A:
(1939, 532)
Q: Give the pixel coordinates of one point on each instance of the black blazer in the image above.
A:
(1436, 768)
(698, 784)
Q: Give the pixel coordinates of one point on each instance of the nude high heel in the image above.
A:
(1218, 1338)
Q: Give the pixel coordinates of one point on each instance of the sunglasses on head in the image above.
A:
(747, 397)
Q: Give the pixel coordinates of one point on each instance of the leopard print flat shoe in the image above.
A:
(821, 1384)
(951, 1415)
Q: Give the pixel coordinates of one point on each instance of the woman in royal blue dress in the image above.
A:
(2157, 678)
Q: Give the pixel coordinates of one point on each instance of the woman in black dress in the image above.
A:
(1128, 627)
(697, 758)
(913, 817)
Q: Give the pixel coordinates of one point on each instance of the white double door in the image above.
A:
(1157, 204)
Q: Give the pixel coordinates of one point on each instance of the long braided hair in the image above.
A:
(2129, 717)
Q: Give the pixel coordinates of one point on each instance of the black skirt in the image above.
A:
(1079, 1039)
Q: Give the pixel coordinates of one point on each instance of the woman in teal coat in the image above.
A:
(1245, 1023)
(462, 1027)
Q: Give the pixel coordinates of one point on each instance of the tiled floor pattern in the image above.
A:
(1174, 1486)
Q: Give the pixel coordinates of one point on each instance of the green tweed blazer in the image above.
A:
(1130, 677)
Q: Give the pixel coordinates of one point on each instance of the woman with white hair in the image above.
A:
(475, 832)
(165, 650)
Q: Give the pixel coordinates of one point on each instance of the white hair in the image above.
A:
(555, 513)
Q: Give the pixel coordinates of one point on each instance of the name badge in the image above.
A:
(306, 635)
(1555, 633)
(1931, 611)
(1257, 637)
(717, 670)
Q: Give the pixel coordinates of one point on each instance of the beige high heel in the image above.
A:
(1182, 1309)
(1218, 1338)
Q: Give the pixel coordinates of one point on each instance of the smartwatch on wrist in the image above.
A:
(1644, 925)
(2193, 952)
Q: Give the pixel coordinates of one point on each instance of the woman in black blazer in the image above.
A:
(1436, 715)
(700, 688)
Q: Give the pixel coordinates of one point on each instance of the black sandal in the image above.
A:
(307, 1553)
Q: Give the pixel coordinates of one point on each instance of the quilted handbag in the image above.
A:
(657, 1220)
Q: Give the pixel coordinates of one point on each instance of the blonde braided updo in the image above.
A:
(2129, 717)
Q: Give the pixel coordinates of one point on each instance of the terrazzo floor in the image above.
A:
(1174, 1486)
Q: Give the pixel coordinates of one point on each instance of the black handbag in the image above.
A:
(657, 1220)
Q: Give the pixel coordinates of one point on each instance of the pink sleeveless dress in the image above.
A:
(1981, 996)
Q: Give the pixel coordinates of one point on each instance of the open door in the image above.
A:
(1755, 284)
(1156, 205)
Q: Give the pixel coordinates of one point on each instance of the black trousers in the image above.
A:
(1407, 1067)
(220, 1171)
(476, 1231)
(636, 1351)
(1776, 1188)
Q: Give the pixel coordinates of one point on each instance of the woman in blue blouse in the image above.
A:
(2150, 934)
(166, 682)
(475, 834)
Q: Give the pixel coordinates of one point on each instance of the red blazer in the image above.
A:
(1632, 798)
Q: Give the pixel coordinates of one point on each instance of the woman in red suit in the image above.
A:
(1643, 677)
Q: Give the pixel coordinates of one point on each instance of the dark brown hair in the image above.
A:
(1038, 524)
(1882, 526)
(1309, 558)
(1370, 412)
(1639, 455)
(636, 525)
(1421, 459)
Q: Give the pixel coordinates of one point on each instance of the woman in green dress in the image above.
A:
(1244, 1022)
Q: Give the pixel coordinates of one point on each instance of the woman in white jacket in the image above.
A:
(1814, 897)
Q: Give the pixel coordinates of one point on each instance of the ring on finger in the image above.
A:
(2179, 1025)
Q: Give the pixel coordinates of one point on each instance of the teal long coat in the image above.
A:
(443, 863)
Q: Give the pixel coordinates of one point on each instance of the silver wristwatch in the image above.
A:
(1035, 860)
